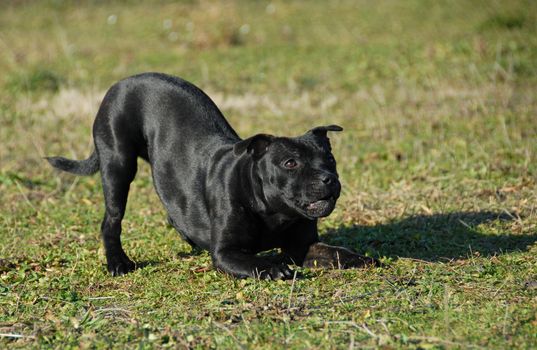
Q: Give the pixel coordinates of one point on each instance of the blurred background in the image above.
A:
(411, 81)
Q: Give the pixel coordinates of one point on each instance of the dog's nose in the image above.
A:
(328, 179)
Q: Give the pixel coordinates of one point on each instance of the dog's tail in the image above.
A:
(79, 167)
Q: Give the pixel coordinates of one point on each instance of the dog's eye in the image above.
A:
(290, 164)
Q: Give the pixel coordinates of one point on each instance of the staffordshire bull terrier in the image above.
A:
(232, 197)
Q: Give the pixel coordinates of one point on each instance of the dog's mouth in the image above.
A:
(321, 207)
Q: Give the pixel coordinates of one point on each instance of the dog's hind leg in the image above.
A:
(117, 172)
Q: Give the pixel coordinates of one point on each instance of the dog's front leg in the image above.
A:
(327, 256)
(240, 264)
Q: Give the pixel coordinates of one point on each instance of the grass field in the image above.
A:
(438, 163)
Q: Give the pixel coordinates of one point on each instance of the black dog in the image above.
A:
(232, 197)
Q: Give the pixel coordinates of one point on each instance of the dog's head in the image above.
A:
(297, 174)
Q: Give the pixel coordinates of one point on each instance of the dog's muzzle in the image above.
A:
(324, 197)
(321, 207)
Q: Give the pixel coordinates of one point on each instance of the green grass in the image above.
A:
(437, 160)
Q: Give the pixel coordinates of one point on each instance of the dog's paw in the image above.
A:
(356, 261)
(322, 255)
(119, 266)
(275, 272)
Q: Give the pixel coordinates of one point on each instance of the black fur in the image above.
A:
(232, 197)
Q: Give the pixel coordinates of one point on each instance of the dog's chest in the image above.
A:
(272, 233)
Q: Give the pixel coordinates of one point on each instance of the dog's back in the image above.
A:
(174, 126)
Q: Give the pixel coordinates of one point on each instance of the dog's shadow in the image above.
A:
(438, 237)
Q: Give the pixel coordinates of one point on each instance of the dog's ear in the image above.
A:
(256, 145)
(322, 130)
